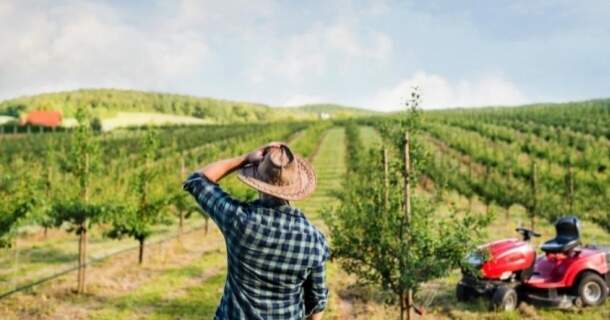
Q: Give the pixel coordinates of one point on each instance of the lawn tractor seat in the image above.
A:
(568, 236)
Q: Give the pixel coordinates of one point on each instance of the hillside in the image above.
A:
(107, 103)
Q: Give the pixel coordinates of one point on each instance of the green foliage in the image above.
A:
(20, 202)
(83, 153)
(79, 215)
(183, 203)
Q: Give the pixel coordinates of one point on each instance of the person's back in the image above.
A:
(275, 256)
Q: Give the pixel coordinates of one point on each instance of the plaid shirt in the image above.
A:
(275, 256)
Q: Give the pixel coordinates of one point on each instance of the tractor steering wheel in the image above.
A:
(527, 233)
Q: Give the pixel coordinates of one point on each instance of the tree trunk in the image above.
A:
(407, 177)
(407, 200)
(180, 223)
(16, 262)
(534, 185)
(402, 305)
(182, 167)
(141, 253)
(570, 187)
(82, 239)
(82, 258)
(409, 303)
(386, 182)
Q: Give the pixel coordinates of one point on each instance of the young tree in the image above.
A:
(78, 211)
(401, 242)
(183, 206)
(18, 191)
(44, 218)
(569, 187)
(144, 207)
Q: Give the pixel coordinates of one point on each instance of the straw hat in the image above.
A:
(280, 174)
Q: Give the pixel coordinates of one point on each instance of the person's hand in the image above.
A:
(257, 155)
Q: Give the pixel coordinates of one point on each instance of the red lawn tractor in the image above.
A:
(508, 271)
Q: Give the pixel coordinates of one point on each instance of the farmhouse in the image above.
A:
(42, 118)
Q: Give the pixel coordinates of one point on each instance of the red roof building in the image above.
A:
(42, 118)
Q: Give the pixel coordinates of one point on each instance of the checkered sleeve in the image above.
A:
(316, 292)
(213, 200)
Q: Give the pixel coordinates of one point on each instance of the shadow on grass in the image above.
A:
(196, 302)
(48, 255)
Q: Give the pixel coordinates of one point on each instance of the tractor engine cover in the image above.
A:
(507, 257)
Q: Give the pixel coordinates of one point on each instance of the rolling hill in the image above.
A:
(108, 103)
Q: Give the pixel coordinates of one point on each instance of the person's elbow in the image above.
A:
(315, 304)
(316, 316)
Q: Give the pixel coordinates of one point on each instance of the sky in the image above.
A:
(286, 53)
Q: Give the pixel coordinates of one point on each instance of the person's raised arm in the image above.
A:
(217, 170)
(203, 185)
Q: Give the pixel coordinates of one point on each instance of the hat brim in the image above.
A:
(305, 185)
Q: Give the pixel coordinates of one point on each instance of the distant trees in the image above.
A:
(106, 102)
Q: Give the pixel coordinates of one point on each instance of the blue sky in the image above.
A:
(362, 53)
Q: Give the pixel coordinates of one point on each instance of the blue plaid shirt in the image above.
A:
(275, 256)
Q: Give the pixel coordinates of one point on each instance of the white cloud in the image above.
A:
(312, 53)
(439, 92)
(89, 45)
(343, 39)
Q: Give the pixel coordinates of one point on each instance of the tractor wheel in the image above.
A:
(463, 293)
(592, 289)
(505, 298)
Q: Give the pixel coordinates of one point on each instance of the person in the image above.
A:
(275, 255)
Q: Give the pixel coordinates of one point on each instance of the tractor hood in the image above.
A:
(497, 248)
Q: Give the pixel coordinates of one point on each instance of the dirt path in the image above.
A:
(330, 165)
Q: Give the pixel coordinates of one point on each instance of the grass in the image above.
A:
(35, 257)
(329, 164)
(126, 119)
(188, 292)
